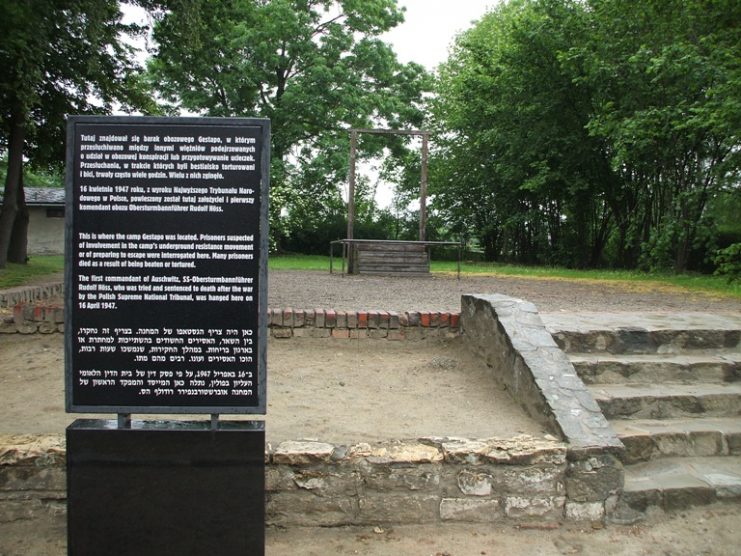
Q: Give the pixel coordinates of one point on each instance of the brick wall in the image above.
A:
(28, 318)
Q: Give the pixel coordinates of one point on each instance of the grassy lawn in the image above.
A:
(630, 278)
(15, 275)
(38, 266)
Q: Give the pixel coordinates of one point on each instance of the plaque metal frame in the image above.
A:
(262, 245)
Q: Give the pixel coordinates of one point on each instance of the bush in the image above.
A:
(728, 262)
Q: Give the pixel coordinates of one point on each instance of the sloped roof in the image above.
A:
(43, 196)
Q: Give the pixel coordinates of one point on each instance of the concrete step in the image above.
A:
(640, 340)
(647, 439)
(666, 401)
(606, 368)
(678, 483)
(643, 333)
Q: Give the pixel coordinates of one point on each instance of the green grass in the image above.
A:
(694, 282)
(630, 278)
(19, 274)
(302, 262)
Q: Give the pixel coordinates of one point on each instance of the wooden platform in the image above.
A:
(390, 258)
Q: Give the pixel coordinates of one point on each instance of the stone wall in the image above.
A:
(511, 338)
(32, 476)
(317, 484)
(575, 474)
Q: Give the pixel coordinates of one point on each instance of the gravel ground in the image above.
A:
(312, 289)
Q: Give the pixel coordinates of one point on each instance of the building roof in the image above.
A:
(43, 196)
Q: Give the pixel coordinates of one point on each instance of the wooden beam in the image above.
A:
(351, 199)
(381, 131)
(423, 191)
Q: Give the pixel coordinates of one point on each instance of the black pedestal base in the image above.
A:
(166, 487)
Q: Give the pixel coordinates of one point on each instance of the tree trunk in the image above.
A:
(12, 184)
(18, 248)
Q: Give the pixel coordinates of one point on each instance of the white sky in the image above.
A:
(428, 31)
(431, 25)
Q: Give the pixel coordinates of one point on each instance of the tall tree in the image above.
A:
(592, 132)
(666, 95)
(314, 67)
(58, 57)
(517, 167)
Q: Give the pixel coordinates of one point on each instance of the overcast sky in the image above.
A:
(426, 34)
(430, 27)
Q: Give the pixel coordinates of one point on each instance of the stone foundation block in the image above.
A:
(706, 443)
(547, 507)
(29, 478)
(585, 511)
(328, 482)
(424, 478)
(411, 508)
(470, 510)
(352, 319)
(594, 479)
(282, 333)
(319, 318)
(306, 509)
(475, 483)
(294, 452)
(279, 478)
(733, 440)
(547, 480)
(395, 452)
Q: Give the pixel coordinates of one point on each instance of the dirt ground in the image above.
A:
(704, 531)
(339, 391)
(306, 290)
(348, 382)
(442, 292)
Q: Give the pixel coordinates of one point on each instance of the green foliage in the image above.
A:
(591, 133)
(728, 262)
(59, 57)
(314, 68)
(32, 177)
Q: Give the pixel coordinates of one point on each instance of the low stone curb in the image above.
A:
(28, 318)
(311, 483)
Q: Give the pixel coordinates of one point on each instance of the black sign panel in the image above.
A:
(166, 277)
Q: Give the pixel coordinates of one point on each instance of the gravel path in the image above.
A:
(312, 289)
(438, 292)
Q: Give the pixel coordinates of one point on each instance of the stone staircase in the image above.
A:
(670, 386)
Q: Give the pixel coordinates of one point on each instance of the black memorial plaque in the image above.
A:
(167, 239)
(165, 488)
